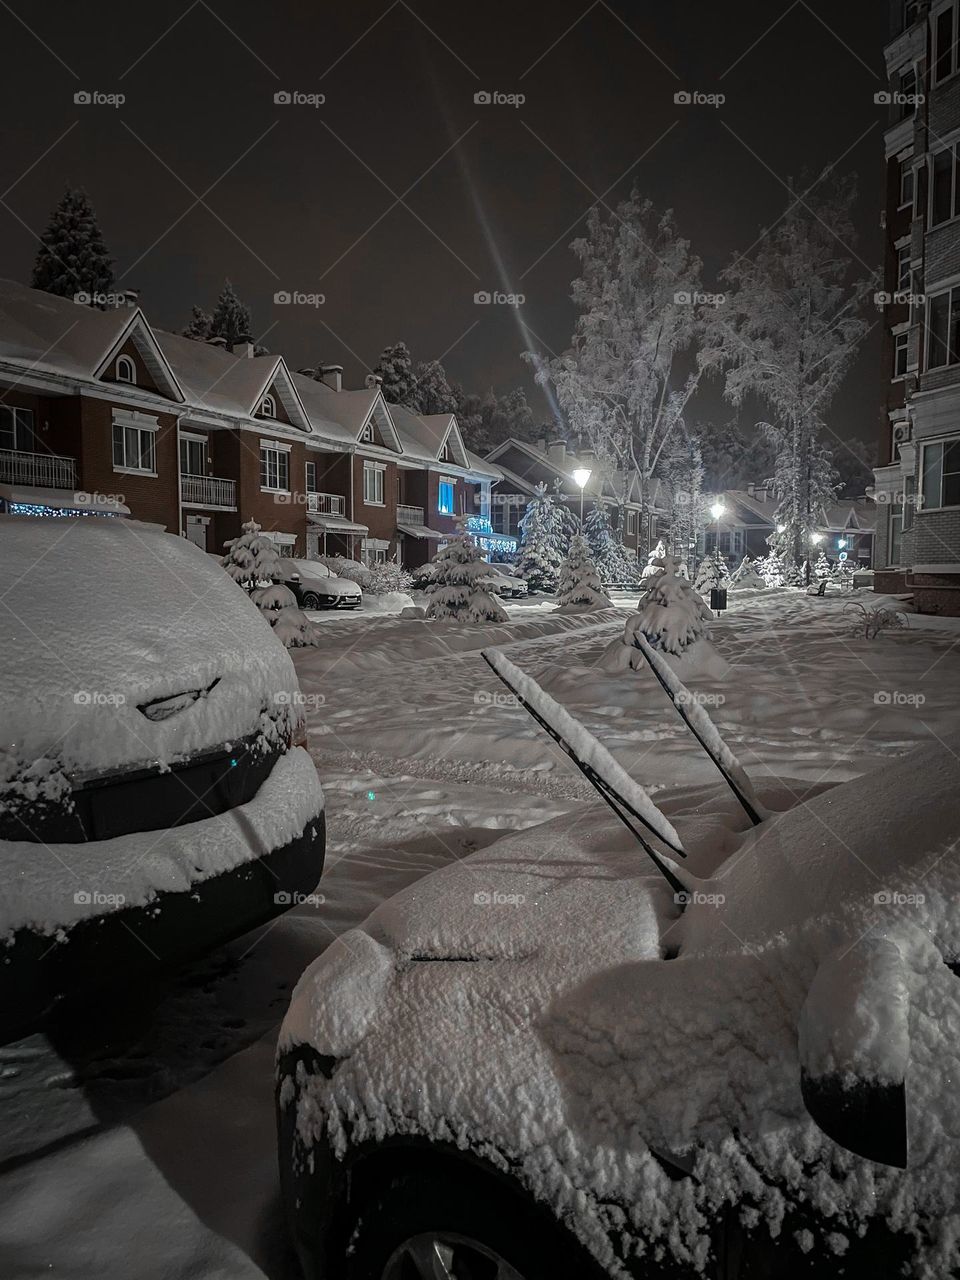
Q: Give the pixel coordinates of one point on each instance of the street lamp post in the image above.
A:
(580, 477)
(717, 510)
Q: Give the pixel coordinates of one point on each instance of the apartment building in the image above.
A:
(917, 481)
(101, 413)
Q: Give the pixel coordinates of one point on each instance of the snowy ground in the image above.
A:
(145, 1144)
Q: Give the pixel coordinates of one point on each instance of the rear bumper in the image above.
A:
(39, 968)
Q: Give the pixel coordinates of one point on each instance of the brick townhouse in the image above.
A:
(917, 481)
(101, 413)
(844, 527)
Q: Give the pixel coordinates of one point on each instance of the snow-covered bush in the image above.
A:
(797, 574)
(386, 577)
(869, 622)
(252, 558)
(279, 606)
(673, 617)
(461, 586)
(711, 573)
(352, 569)
(746, 576)
(822, 568)
(654, 566)
(541, 533)
(580, 586)
(771, 569)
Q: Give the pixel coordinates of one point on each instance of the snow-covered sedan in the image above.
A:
(155, 798)
(508, 584)
(567, 1057)
(318, 587)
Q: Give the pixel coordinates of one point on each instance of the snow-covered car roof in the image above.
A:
(103, 616)
(311, 568)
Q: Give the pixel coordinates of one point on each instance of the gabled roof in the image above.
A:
(278, 380)
(138, 331)
(352, 410)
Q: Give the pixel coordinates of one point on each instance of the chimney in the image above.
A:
(558, 451)
(751, 490)
(373, 380)
(542, 444)
(331, 375)
(243, 349)
(217, 341)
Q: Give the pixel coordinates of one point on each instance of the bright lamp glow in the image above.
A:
(816, 538)
(781, 528)
(841, 542)
(717, 510)
(581, 476)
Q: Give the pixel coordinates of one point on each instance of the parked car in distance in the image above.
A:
(156, 799)
(318, 587)
(513, 588)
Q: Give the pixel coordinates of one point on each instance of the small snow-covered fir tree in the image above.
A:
(797, 574)
(199, 326)
(461, 586)
(654, 566)
(771, 569)
(252, 560)
(541, 529)
(72, 257)
(580, 586)
(746, 575)
(609, 554)
(822, 568)
(673, 617)
(711, 573)
(231, 318)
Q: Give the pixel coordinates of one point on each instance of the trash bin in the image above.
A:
(718, 599)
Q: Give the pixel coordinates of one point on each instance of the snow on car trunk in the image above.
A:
(156, 659)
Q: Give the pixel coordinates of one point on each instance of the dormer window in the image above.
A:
(268, 407)
(125, 370)
(366, 435)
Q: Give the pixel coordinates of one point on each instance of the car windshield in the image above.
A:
(311, 569)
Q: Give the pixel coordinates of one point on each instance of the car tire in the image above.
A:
(472, 1214)
(310, 600)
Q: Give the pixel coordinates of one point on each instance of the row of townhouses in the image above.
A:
(100, 413)
(843, 530)
(917, 487)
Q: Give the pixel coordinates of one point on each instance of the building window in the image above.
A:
(943, 329)
(133, 448)
(941, 475)
(445, 496)
(906, 183)
(908, 92)
(193, 456)
(372, 484)
(894, 535)
(631, 522)
(366, 433)
(944, 194)
(944, 44)
(268, 407)
(126, 370)
(901, 344)
(903, 268)
(274, 468)
(16, 428)
(310, 477)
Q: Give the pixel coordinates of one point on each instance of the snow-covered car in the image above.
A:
(155, 798)
(512, 587)
(556, 1058)
(317, 587)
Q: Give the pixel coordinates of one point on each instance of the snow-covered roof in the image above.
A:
(55, 335)
(335, 524)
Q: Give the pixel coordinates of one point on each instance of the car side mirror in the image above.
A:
(854, 1046)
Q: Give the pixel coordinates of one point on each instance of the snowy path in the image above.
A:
(423, 761)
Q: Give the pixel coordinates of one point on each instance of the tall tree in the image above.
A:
(199, 326)
(231, 318)
(683, 476)
(432, 392)
(489, 420)
(608, 552)
(73, 257)
(620, 385)
(540, 553)
(788, 334)
(395, 370)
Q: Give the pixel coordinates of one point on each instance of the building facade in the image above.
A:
(100, 413)
(917, 481)
(843, 530)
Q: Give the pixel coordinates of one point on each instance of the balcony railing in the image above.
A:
(327, 504)
(208, 491)
(45, 470)
(409, 515)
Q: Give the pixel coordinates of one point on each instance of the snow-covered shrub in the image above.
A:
(869, 622)
(797, 574)
(580, 586)
(822, 568)
(352, 569)
(252, 558)
(673, 617)
(386, 577)
(461, 586)
(711, 573)
(279, 606)
(654, 566)
(771, 569)
(541, 532)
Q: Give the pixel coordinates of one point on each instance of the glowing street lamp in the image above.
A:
(580, 477)
(781, 528)
(718, 510)
(816, 538)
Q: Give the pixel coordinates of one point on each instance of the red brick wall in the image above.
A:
(283, 513)
(381, 521)
(152, 498)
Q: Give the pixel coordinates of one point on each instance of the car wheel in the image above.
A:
(430, 1225)
(311, 600)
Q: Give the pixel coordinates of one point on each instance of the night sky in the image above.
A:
(399, 197)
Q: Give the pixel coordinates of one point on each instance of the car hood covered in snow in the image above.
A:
(122, 645)
(521, 1004)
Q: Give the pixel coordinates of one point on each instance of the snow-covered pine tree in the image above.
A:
(797, 574)
(433, 393)
(580, 586)
(822, 568)
(397, 379)
(461, 587)
(655, 560)
(72, 257)
(541, 529)
(771, 569)
(251, 559)
(609, 555)
(711, 573)
(199, 326)
(746, 575)
(673, 617)
(279, 606)
(231, 318)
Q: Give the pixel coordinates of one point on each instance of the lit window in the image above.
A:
(372, 484)
(268, 407)
(126, 370)
(445, 497)
(274, 469)
(941, 475)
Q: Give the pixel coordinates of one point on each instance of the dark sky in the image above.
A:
(302, 198)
